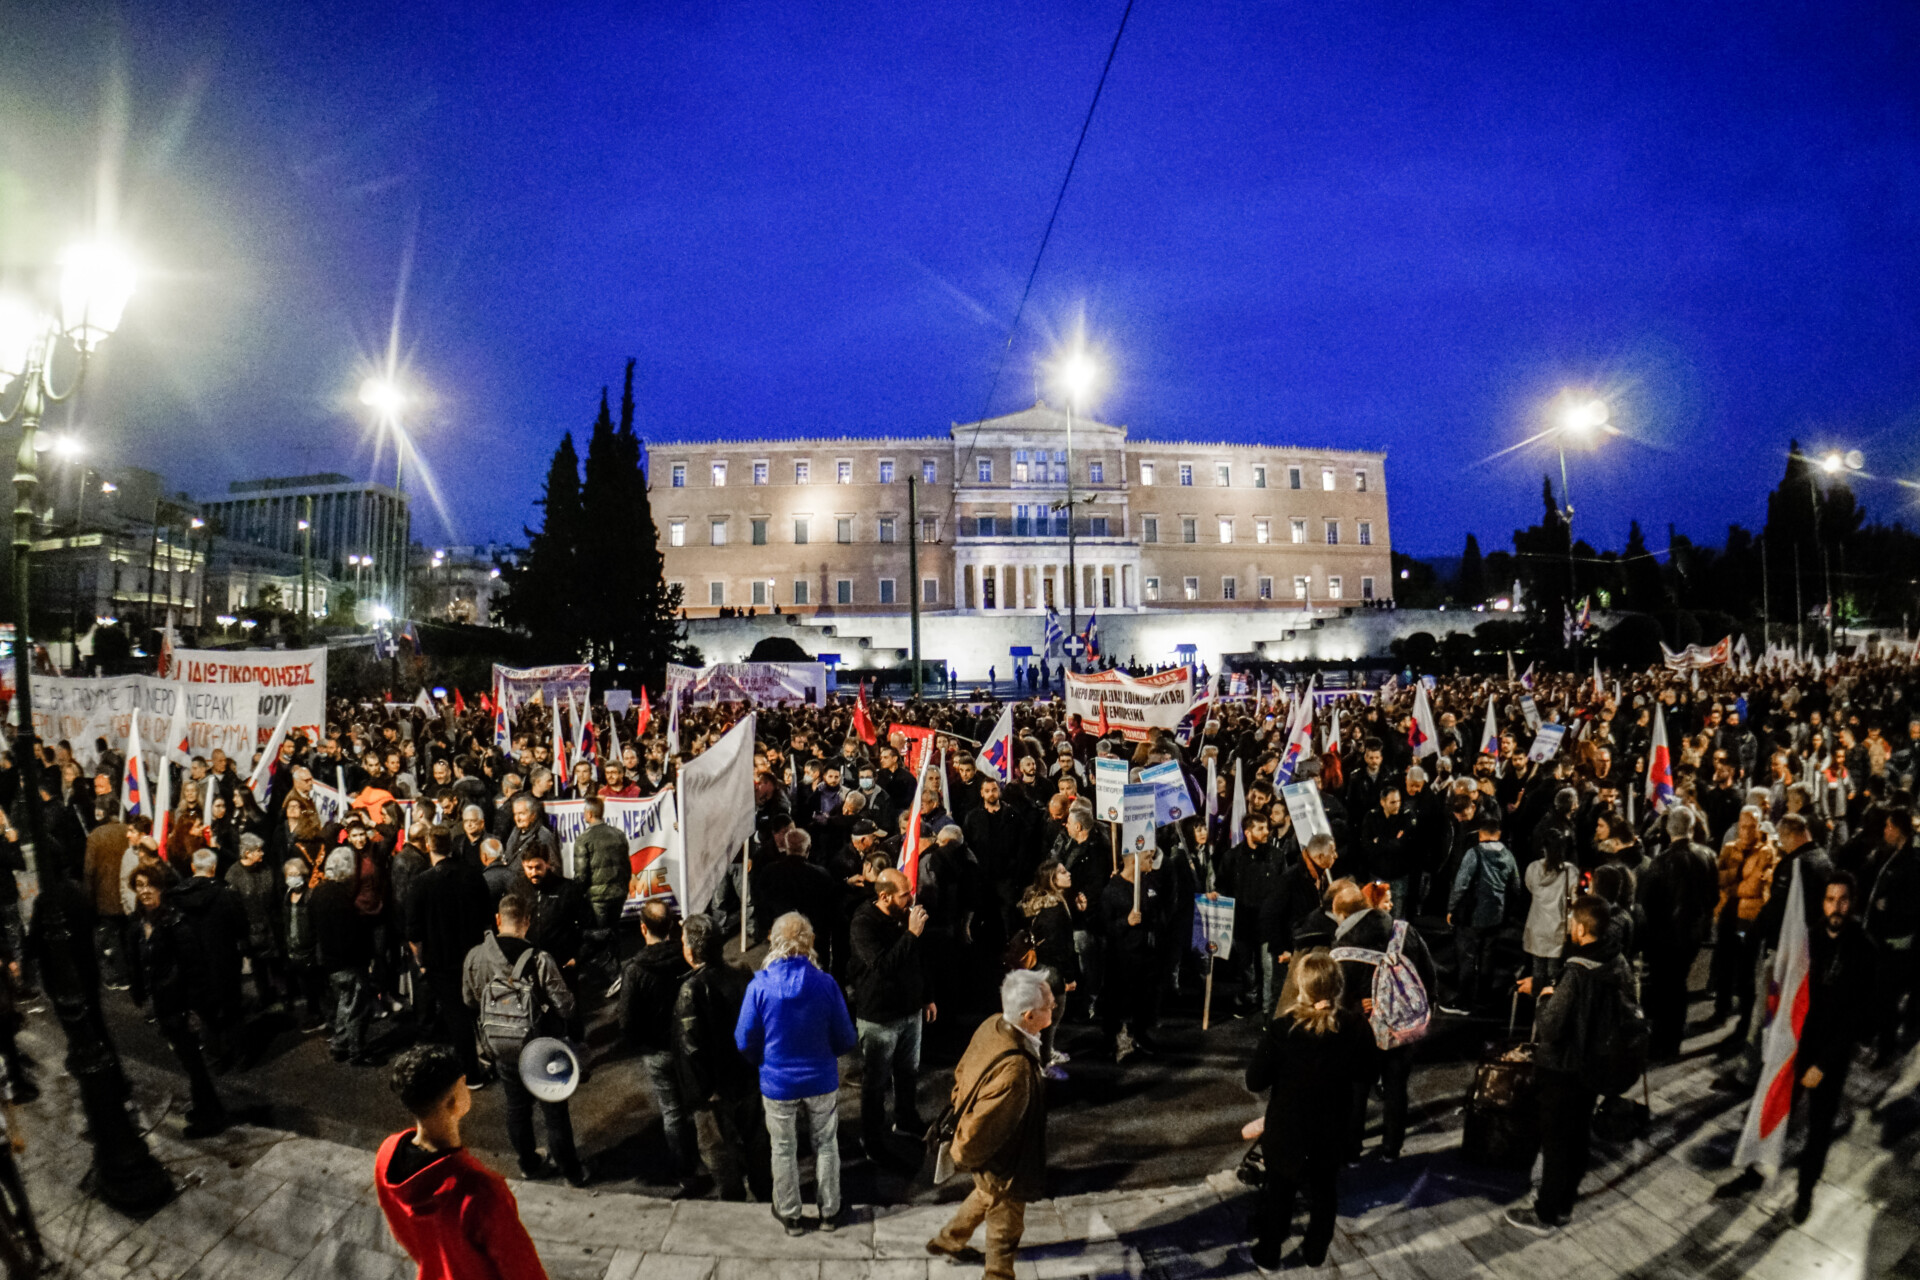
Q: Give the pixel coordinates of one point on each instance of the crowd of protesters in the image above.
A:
(1487, 873)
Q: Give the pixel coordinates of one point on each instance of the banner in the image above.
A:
(1158, 701)
(1213, 923)
(648, 825)
(329, 802)
(1109, 780)
(766, 683)
(717, 812)
(79, 709)
(1696, 656)
(515, 687)
(298, 676)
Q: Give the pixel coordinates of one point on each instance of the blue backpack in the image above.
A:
(1401, 1010)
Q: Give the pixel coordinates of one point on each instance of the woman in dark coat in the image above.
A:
(171, 970)
(1049, 923)
(1308, 1054)
(1366, 923)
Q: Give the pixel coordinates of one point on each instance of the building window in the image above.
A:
(1153, 588)
(1326, 479)
(719, 475)
(843, 591)
(929, 591)
(716, 593)
(1300, 588)
(1229, 589)
(1096, 473)
(1333, 587)
(1222, 474)
(1189, 529)
(803, 473)
(1146, 474)
(986, 526)
(799, 533)
(1186, 474)
(886, 528)
(1226, 531)
(1360, 482)
(1263, 531)
(929, 528)
(1366, 588)
(886, 591)
(1193, 588)
(760, 475)
(929, 471)
(679, 475)
(718, 532)
(1293, 477)
(1259, 477)
(1149, 528)
(1099, 526)
(677, 533)
(843, 529)
(886, 471)
(1059, 466)
(1020, 466)
(1297, 529)
(800, 591)
(1266, 588)
(759, 591)
(1333, 533)
(984, 469)
(843, 472)
(759, 533)
(1366, 533)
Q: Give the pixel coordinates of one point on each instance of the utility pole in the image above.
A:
(1766, 631)
(1799, 610)
(306, 568)
(913, 574)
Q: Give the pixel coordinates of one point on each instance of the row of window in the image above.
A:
(1230, 588)
(764, 592)
(887, 530)
(1038, 466)
(1262, 530)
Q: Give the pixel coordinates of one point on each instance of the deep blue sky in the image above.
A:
(1398, 226)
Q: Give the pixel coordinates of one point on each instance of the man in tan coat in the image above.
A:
(1002, 1134)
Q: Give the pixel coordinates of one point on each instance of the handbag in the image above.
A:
(941, 1132)
(1253, 1165)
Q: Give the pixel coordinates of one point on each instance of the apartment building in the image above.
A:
(1014, 511)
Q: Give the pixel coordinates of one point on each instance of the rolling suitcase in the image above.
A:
(1503, 1116)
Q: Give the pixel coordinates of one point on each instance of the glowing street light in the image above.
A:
(384, 396)
(1076, 372)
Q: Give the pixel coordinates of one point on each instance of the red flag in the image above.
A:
(646, 714)
(1103, 717)
(862, 722)
(459, 703)
(910, 845)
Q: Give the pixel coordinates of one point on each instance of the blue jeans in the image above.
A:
(669, 1094)
(1400, 889)
(823, 1120)
(352, 1011)
(889, 1052)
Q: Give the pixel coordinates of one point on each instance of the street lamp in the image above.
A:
(387, 398)
(1584, 419)
(95, 281)
(1076, 373)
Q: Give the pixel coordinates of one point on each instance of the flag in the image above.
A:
(1191, 723)
(502, 731)
(1237, 814)
(579, 725)
(1333, 734)
(166, 654)
(1526, 677)
(459, 704)
(1092, 636)
(262, 771)
(410, 638)
(910, 847)
(673, 722)
(1103, 718)
(382, 642)
(560, 771)
(1659, 763)
(1422, 737)
(1569, 628)
(996, 753)
(1789, 991)
(863, 720)
(179, 743)
(645, 718)
(613, 734)
(1585, 620)
(1490, 736)
(133, 785)
(716, 812)
(1509, 666)
(1299, 736)
(1213, 791)
(1055, 633)
(1598, 692)
(424, 701)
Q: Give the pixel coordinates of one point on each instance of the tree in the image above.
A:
(1470, 585)
(1645, 589)
(653, 635)
(1541, 552)
(544, 588)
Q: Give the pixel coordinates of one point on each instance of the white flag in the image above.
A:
(1422, 736)
(716, 811)
(258, 782)
(1789, 988)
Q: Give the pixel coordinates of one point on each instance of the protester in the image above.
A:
(171, 969)
(1134, 922)
(1677, 895)
(448, 912)
(1478, 905)
(649, 990)
(1049, 938)
(719, 1078)
(890, 1006)
(1362, 941)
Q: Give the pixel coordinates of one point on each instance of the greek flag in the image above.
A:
(1055, 633)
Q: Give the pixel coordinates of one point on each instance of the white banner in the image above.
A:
(648, 826)
(80, 709)
(298, 676)
(766, 683)
(1158, 701)
(515, 687)
(717, 812)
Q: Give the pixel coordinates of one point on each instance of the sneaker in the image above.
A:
(1802, 1208)
(538, 1171)
(960, 1256)
(1060, 1057)
(476, 1083)
(1055, 1073)
(793, 1226)
(613, 988)
(831, 1224)
(1267, 1264)
(1452, 1011)
(1526, 1219)
(576, 1174)
(1749, 1181)
(913, 1130)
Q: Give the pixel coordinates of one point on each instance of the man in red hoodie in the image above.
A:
(453, 1215)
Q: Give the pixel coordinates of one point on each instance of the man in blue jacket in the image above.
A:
(793, 1027)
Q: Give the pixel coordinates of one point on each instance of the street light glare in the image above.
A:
(1077, 373)
(96, 279)
(68, 446)
(1582, 416)
(19, 328)
(383, 396)
(1832, 463)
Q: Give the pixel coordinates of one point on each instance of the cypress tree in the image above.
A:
(651, 634)
(543, 589)
(1470, 585)
(604, 572)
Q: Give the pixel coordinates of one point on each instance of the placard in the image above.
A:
(1109, 781)
(1304, 807)
(1213, 923)
(1546, 743)
(1159, 701)
(765, 683)
(1530, 710)
(1138, 802)
(1171, 802)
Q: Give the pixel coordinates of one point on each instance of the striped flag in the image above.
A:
(1789, 991)
(910, 846)
(1659, 764)
(1490, 736)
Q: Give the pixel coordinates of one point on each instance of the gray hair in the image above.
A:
(950, 834)
(1079, 819)
(205, 860)
(1321, 843)
(252, 841)
(473, 811)
(791, 935)
(339, 865)
(1680, 824)
(1021, 992)
(1416, 774)
(491, 850)
(542, 774)
(522, 800)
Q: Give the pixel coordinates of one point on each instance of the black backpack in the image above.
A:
(1614, 1054)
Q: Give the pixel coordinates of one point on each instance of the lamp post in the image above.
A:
(95, 283)
(1076, 375)
(1585, 420)
(387, 398)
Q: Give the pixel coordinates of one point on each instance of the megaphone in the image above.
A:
(550, 1069)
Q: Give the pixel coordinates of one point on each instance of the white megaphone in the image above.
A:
(550, 1069)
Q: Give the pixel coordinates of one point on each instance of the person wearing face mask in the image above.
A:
(880, 810)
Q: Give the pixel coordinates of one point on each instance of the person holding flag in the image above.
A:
(1299, 737)
(996, 753)
(1490, 735)
(863, 718)
(1659, 764)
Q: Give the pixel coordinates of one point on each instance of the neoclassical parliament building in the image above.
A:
(820, 526)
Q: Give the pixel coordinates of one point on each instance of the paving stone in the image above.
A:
(632, 1222)
(345, 1170)
(768, 1269)
(292, 1220)
(233, 1259)
(340, 1260)
(658, 1266)
(139, 1255)
(716, 1229)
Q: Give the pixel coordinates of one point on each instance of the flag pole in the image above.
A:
(745, 915)
(1206, 1003)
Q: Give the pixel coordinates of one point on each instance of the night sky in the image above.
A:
(1390, 226)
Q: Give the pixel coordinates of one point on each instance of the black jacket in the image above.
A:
(560, 919)
(1296, 895)
(1248, 875)
(1840, 1007)
(1816, 870)
(705, 1012)
(888, 984)
(783, 883)
(448, 912)
(1311, 1076)
(649, 989)
(1386, 847)
(343, 936)
(1677, 891)
(1139, 942)
(1372, 932)
(1051, 929)
(1570, 1015)
(169, 965)
(218, 919)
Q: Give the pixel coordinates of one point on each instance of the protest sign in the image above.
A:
(1136, 826)
(515, 687)
(1137, 802)
(296, 676)
(1158, 701)
(80, 709)
(1109, 780)
(1213, 923)
(619, 701)
(764, 683)
(647, 824)
(1530, 710)
(329, 803)
(1304, 807)
(1171, 799)
(1546, 743)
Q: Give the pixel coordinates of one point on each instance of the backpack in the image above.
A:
(1401, 1010)
(510, 1005)
(1614, 1054)
(1023, 950)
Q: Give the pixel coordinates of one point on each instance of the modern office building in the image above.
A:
(819, 525)
(354, 522)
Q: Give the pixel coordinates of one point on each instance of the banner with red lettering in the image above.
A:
(298, 676)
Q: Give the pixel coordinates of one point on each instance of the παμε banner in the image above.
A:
(1158, 701)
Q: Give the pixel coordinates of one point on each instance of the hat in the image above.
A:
(865, 827)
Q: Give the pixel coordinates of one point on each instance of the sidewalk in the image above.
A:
(257, 1204)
